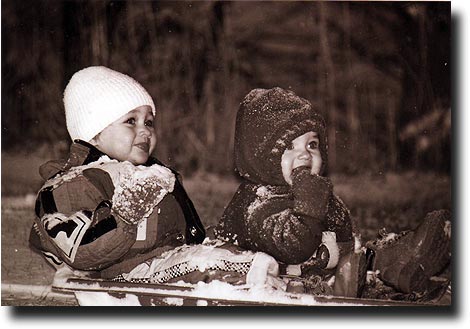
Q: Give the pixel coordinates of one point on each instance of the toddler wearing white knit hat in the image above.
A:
(97, 96)
(111, 199)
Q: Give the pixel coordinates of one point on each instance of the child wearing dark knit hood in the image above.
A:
(286, 207)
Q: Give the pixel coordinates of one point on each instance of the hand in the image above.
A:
(138, 189)
(311, 193)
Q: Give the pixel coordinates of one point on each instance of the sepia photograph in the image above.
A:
(226, 153)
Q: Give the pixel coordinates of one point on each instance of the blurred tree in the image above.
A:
(378, 71)
(32, 73)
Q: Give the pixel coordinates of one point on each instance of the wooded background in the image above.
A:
(378, 71)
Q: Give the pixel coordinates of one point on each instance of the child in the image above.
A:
(110, 200)
(285, 205)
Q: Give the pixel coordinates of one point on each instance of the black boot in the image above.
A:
(406, 261)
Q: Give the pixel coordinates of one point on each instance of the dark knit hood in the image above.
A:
(268, 120)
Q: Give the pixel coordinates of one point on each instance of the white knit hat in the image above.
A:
(97, 96)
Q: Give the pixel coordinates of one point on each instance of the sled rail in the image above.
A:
(171, 295)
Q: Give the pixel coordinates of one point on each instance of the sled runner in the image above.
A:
(94, 292)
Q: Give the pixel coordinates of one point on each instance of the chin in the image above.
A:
(139, 161)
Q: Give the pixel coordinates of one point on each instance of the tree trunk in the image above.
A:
(392, 135)
(329, 83)
(99, 39)
(351, 97)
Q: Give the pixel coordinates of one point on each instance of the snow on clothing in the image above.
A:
(84, 220)
(266, 214)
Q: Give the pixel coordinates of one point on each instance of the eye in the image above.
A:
(313, 145)
(149, 123)
(130, 121)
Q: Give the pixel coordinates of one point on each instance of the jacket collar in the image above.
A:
(82, 153)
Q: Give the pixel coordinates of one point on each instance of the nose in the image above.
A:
(144, 131)
(303, 154)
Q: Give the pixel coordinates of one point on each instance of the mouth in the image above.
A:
(143, 146)
(302, 164)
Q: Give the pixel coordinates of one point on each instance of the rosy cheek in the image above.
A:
(287, 162)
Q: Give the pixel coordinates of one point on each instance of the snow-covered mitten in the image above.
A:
(138, 189)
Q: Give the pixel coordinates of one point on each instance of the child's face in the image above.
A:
(130, 138)
(304, 151)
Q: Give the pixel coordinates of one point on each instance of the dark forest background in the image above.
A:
(378, 71)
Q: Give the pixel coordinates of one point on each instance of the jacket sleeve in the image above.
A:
(231, 227)
(340, 221)
(76, 224)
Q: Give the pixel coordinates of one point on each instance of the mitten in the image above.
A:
(138, 189)
(311, 193)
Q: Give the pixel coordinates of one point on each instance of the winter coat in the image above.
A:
(76, 222)
(266, 214)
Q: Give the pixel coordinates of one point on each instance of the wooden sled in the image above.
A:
(95, 292)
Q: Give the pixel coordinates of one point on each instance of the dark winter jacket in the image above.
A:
(109, 239)
(266, 214)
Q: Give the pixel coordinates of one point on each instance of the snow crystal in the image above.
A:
(331, 281)
(389, 236)
(358, 248)
(254, 94)
(372, 276)
(264, 194)
(92, 298)
(294, 270)
(447, 228)
(76, 171)
(262, 191)
(253, 206)
(279, 145)
(201, 302)
(420, 243)
(173, 301)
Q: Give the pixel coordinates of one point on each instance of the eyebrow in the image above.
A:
(133, 112)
